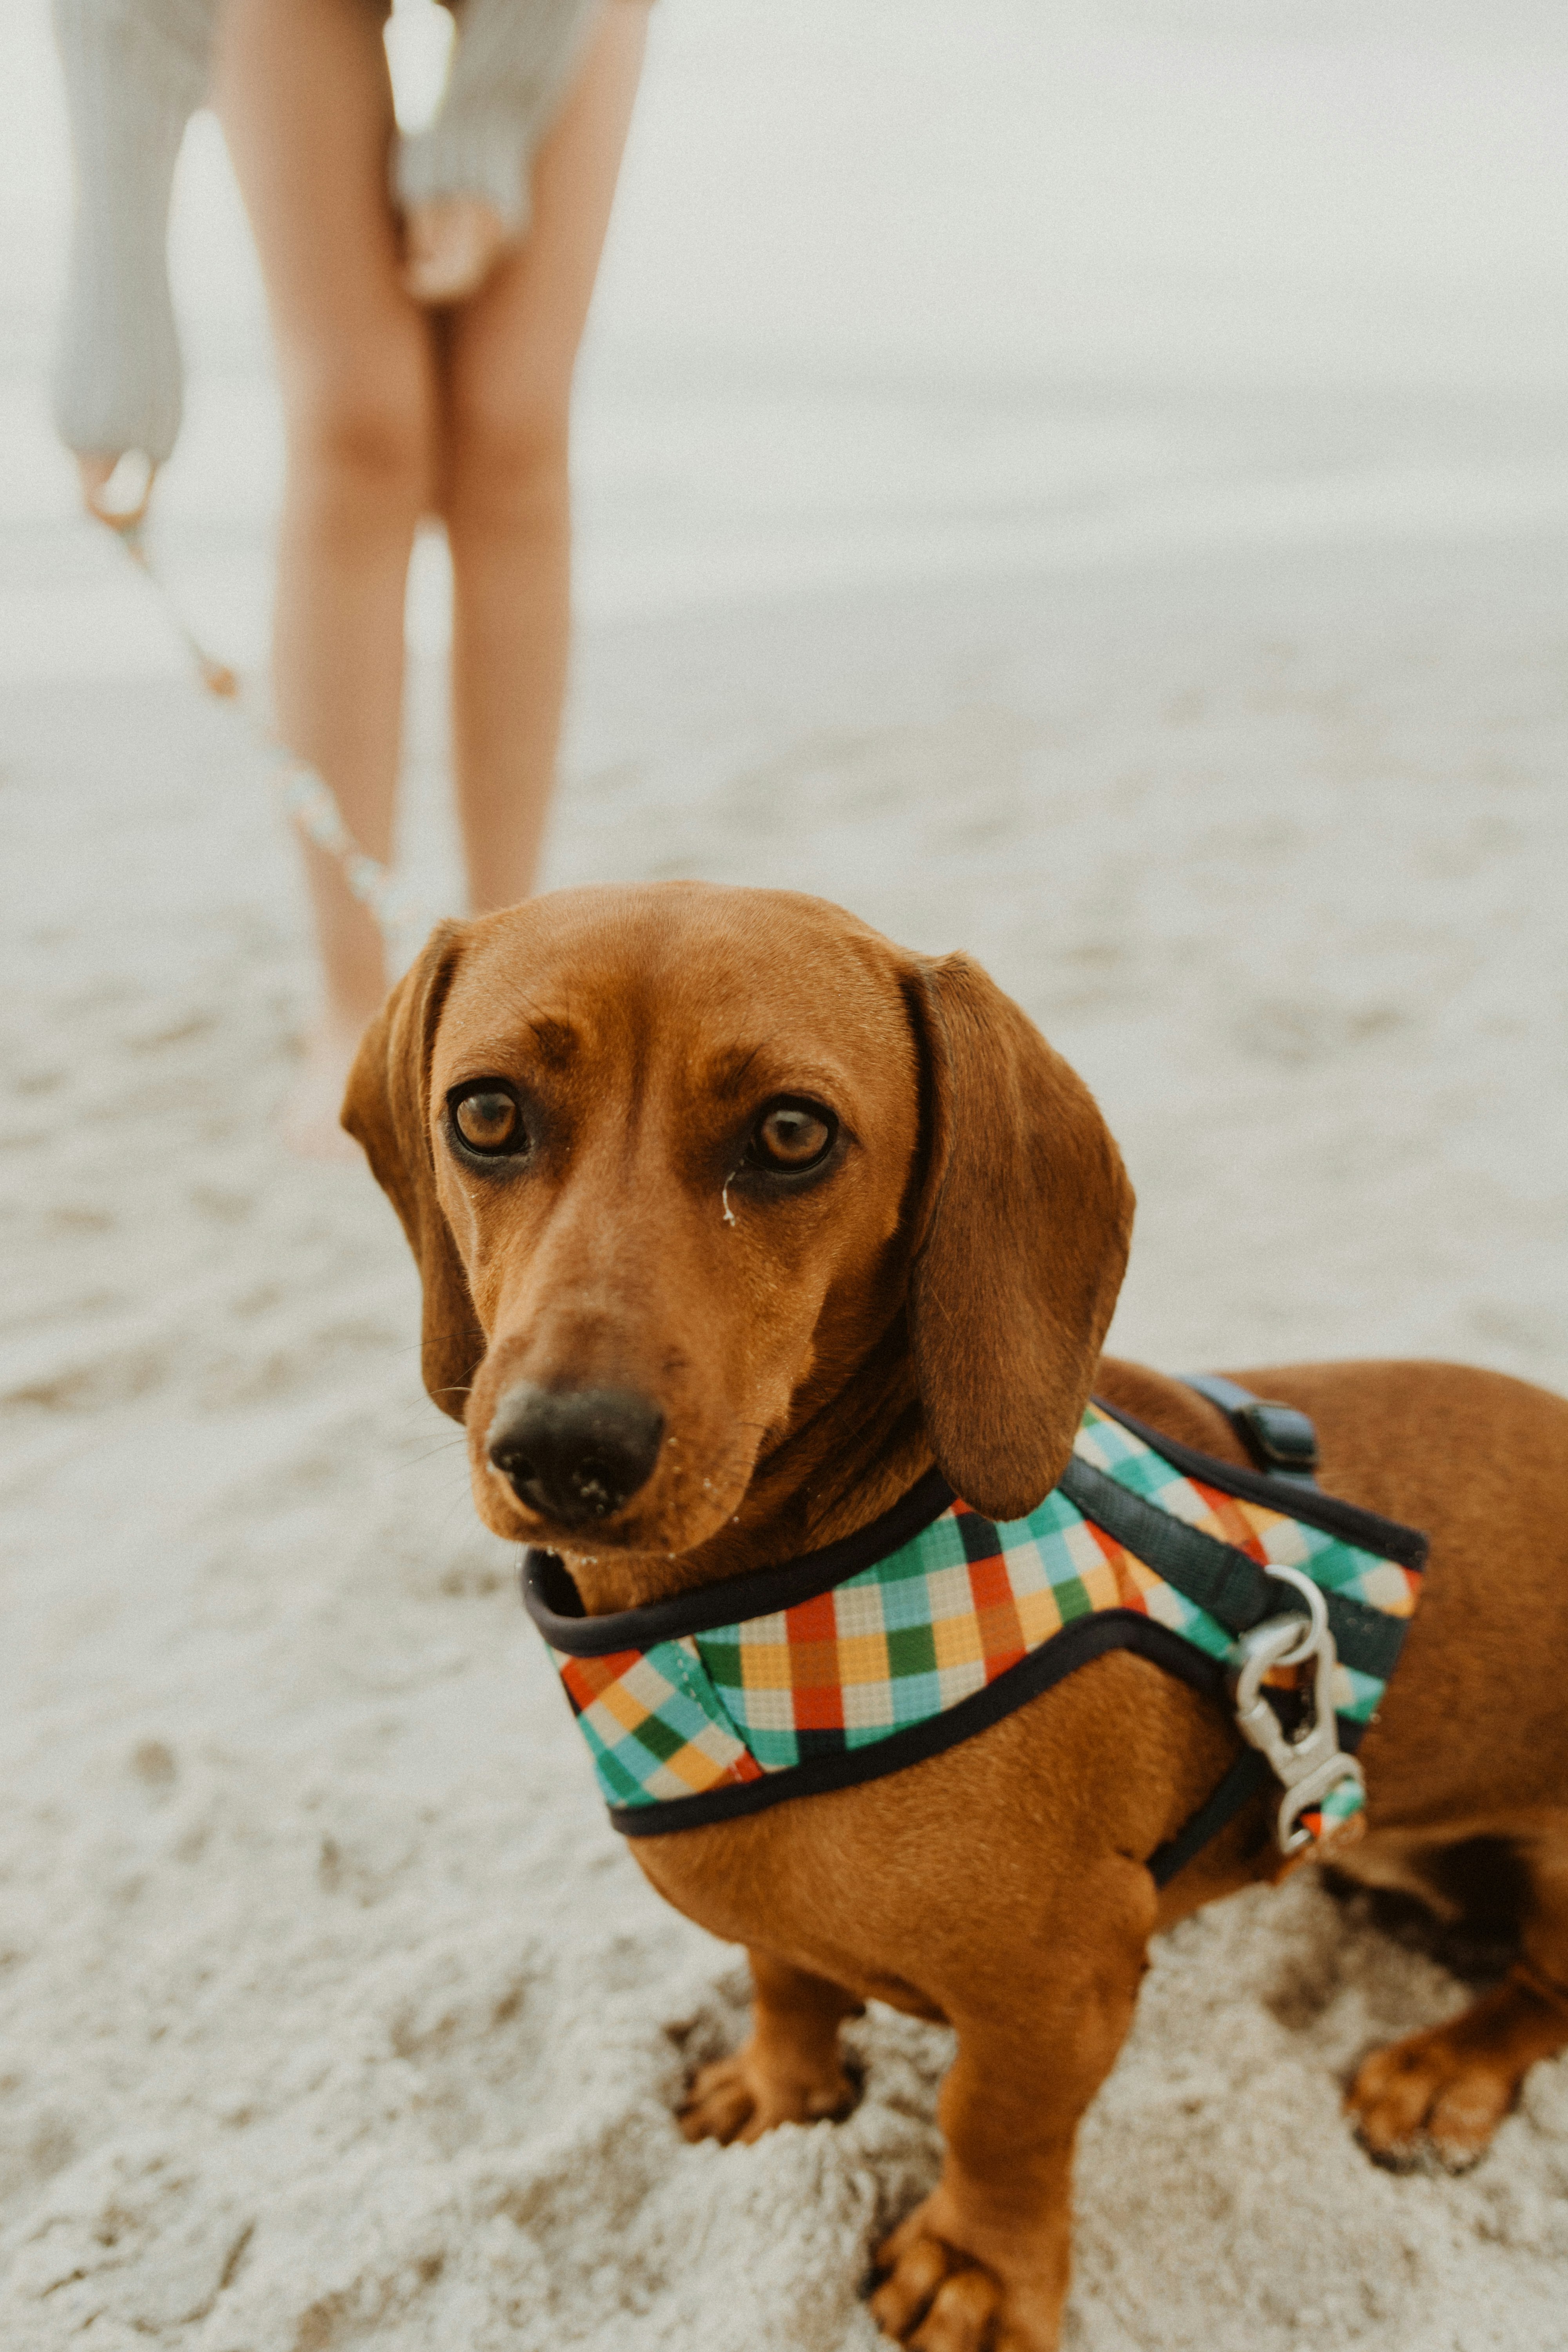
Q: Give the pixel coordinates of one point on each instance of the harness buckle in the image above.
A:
(1311, 1764)
(1282, 1441)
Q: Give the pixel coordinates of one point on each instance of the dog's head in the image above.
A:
(674, 1159)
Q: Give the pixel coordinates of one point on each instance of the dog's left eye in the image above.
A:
(488, 1121)
(792, 1137)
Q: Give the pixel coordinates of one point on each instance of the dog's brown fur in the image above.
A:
(941, 1295)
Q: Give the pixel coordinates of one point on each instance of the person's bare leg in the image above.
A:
(510, 354)
(306, 105)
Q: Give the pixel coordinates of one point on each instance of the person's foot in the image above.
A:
(308, 1119)
(450, 246)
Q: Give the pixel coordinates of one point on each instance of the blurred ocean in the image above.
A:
(905, 291)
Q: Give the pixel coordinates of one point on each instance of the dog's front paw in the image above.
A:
(742, 2098)
(934, 2298)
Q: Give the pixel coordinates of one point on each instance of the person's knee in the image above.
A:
(367, 440)
(508, 468)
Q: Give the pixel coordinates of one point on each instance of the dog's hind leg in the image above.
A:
(1447, 2089)
(789, 2072)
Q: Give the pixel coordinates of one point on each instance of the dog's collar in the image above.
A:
(932, 1623)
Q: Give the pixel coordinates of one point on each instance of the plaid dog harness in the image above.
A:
(931, 1623)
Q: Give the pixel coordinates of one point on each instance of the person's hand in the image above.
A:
(116, 489)
(450, 246)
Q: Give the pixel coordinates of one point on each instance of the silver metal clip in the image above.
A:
(1310, 1764)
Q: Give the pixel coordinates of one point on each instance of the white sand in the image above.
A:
(1227, 724)
(333, 2011)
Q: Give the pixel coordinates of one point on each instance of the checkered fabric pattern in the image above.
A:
(654, 1724)
(939, 1619)
(1271, 1537)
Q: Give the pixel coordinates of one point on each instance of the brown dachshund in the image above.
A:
(768, 1215)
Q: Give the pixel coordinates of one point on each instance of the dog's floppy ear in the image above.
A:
(387, 1109)
(1021, 1227)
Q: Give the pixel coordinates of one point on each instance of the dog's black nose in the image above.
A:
(575, 1454)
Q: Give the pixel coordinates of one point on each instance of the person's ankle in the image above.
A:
(339, 1021)
(310, 1116)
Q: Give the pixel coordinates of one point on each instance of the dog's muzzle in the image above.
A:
(575, 1455)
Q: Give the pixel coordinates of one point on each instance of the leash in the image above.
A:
(308, 800)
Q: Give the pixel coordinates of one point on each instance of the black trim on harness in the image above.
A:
(1389, 1538)
(1219, 1576)
(1247, 1778)
(1087, 1637)
(555, 1605)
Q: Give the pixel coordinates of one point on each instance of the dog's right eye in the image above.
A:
(489, 1121)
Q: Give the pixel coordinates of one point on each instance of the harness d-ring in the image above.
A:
(1317, 1628)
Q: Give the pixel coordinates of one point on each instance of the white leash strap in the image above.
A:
(307, 797)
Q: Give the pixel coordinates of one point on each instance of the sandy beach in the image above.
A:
(1219, 707)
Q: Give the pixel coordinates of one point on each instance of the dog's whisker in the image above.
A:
(431, 1453)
